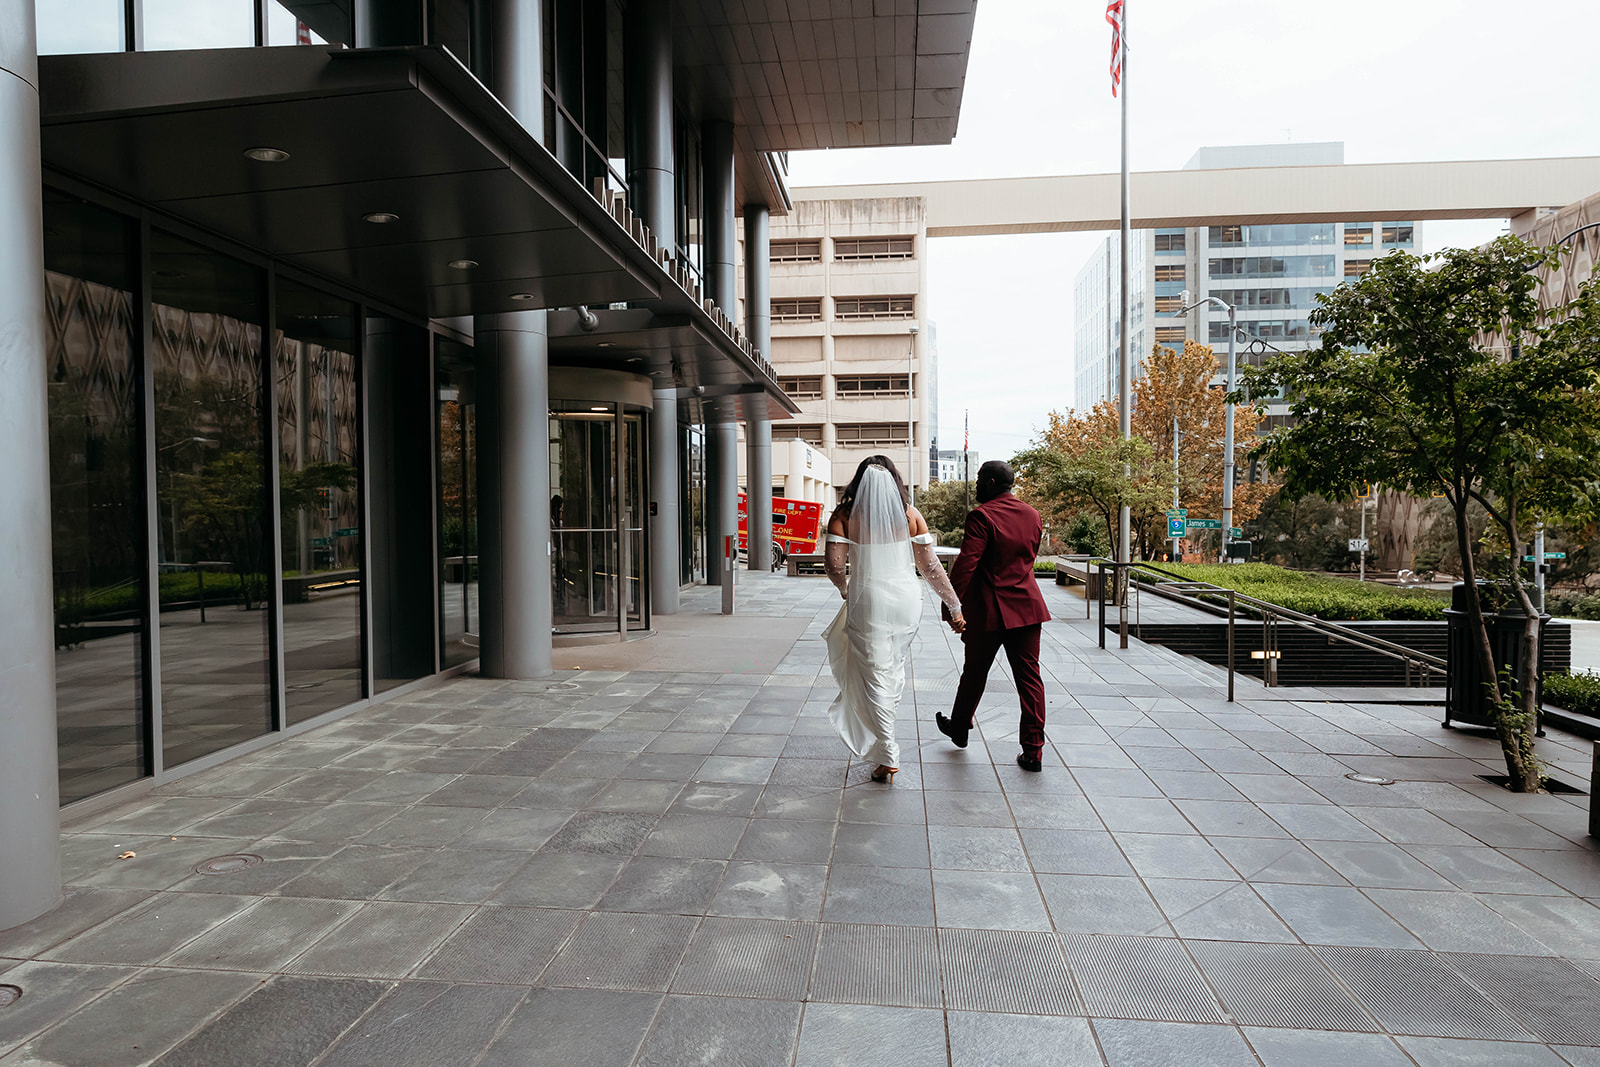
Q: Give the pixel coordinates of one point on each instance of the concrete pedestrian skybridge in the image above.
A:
(1476, 189)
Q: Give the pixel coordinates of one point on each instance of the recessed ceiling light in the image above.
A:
(522, 296)
(381, 217)
(463, 264)
(605, 344)
(266, 155)
(600, 407)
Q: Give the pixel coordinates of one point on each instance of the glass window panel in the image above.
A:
(319, 501)
(170, 24)
(96, 497)
(458, 503)
(583, 477)
(211, 499)
(303, 23)
(75, 26)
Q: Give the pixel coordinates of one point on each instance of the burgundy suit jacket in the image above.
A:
(993, 576)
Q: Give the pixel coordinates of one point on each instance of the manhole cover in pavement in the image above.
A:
(1370, 779)
(9, 995)
(228, 864)
(562, 685)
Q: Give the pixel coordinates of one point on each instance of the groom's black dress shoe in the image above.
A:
(950, 729)
(1029, 763)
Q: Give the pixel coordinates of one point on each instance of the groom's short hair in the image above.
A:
(997, 472)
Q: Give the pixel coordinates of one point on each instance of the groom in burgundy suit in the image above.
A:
(1001, 607)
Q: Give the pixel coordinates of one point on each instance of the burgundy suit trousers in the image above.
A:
(1022, 652)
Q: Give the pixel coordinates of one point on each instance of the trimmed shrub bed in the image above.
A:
(1575, 692)
(1338, 599)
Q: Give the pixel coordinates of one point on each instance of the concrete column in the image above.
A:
(721, 284)
(666, 565)
(30, 859)
(647, 130)
(513, 369)
(757, 428)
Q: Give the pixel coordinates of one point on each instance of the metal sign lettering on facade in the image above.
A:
(1205, 524)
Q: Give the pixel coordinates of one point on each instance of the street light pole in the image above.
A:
(1175, 503)
(1227, 410)
(911, 416)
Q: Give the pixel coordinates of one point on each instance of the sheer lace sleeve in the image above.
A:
(928, 564)
(834, 557)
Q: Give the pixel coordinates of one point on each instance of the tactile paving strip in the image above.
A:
(1006, 970)
(613, 950)
(1554, 1000)
(1140, 978)
(893, 966)
(510, 945)
(749, 958)
(1279, 985)
(1413, 992)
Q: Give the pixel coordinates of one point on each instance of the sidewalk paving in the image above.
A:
(680, 866)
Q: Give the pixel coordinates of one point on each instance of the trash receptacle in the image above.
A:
(1465, 699)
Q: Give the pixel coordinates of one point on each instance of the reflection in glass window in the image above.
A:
(458, 504)
(171, 24)
(67, 27)
(309, 26)
(318, 500)
(210, 482)
(96, 497)
(583, 516)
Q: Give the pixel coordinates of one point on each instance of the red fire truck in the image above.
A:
(796, 527)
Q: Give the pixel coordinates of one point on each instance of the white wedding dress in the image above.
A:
(869, 640)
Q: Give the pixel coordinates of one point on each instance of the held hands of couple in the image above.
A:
(958, 623)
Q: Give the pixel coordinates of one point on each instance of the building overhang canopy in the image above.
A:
(402, 132)
(676, 352)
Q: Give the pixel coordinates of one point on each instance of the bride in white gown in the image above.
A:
(878, 534)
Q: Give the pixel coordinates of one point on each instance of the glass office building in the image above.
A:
(365, 342)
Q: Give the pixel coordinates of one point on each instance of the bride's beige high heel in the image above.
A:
(885, 774)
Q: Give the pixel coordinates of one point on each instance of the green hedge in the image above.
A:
(1339, 599)
(1044, 566)
(1576, 605)
(1575, 692)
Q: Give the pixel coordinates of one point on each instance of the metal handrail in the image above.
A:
(1180, 588)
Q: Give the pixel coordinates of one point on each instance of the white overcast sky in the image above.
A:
(1395, 80)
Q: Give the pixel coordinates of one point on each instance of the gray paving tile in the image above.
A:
(559, 794)
(146, 933)
(947, 808)
(1455, 922)
(52, 992)
(1007, 971)
(602, 833)
(718, 798)
(751, 769)
(1100, 904)
(357, 872)
(1139, 978)
(1411, 826)
(1334, 915)
(1259, 859)
(898, 895)
(831, 1034)
(339, 822)
(1279, 986)
(81, 907)
(1445, 1052)
(560, 880)
(1054, 811)
(425, 826)
(722, 1032)
(1174, 856)
(159, 863)
(1216, 910)
(989, 899)
(869, 802)
(1226, 818)
(1569, 926)
(622, 951)
(501, 945)
(426, 1022)
(760, 889)
(882, 845)
(1316, 1048)
(402, 787)
(254, 1031)
(385, 939)
(666, 885)
(694, 836)
(1416, 993)
(1483, 870)
(457, 876)
(1129, 1043)
(992, 1039)
(264, 937)
(1145, 815)
(872, 964)
(137, 1021)
(1074, 852)
(646, 796)
(1550, 998)
(785, 840)
(561, 1027)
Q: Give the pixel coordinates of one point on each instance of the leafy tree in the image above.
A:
(1440, 374)
(1079, 465)
(945, 506)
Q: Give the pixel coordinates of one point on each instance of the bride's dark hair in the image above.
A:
(849, 497)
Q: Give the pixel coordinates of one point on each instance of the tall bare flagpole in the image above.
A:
(1124, 369)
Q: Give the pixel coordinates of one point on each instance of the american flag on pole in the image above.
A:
(1114, 17)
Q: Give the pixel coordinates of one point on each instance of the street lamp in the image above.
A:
(911, 416)
(1227, 411)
